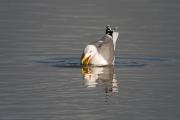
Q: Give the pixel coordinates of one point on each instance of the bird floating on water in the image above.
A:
(101, 52)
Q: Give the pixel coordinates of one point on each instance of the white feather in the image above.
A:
(115, 37)
(99, 60)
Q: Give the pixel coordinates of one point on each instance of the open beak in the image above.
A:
(85, 59)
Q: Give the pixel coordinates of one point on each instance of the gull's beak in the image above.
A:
(85, 59)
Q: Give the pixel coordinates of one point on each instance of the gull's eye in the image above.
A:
(90, 51)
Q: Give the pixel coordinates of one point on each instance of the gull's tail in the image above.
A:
(115, 36)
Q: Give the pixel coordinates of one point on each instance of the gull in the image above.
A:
(102, 51)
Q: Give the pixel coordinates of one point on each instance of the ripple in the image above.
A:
(119, 62)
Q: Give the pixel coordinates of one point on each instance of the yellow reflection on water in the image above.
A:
(105, 76)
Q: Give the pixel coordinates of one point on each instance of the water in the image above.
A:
(41, 43)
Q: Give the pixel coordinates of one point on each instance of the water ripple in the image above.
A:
(119, 62)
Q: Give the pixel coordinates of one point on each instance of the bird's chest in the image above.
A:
(99, 60)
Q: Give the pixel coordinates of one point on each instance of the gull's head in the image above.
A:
(89, 53)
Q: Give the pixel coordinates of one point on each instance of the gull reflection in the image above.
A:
(105, 76)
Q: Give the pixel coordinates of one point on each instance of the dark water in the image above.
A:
(41, 43)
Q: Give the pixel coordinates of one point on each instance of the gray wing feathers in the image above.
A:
(105, 47)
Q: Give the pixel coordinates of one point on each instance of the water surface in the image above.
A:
(41, 43)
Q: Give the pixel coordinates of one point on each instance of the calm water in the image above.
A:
(41, 43)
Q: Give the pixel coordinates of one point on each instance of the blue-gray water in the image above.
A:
(40, 45)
